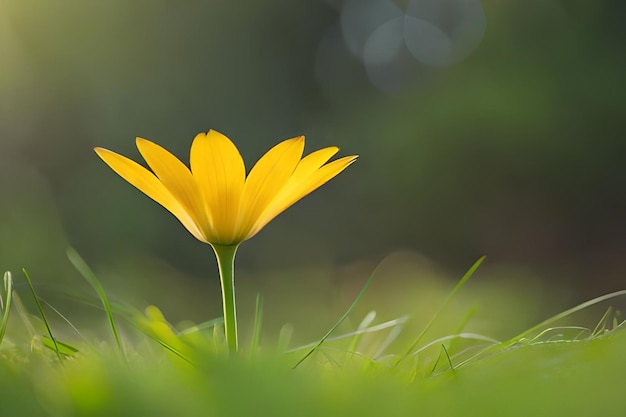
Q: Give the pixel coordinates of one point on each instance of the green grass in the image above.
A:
(146, 367)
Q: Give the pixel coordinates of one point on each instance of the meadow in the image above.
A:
(130, 362)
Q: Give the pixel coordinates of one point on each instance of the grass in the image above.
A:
(147, 367)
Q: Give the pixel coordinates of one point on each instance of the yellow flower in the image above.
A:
(214, 200)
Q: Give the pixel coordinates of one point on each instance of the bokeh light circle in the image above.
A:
(440, 33)
(360, 18)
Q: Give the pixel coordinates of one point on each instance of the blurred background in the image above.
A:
(483, 128)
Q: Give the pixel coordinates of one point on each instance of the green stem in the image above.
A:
(226, 261)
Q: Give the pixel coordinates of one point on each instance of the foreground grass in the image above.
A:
(158, 371)
(553, 378)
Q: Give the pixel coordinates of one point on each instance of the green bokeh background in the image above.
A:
(516, 152)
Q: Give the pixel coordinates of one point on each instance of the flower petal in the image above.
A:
(311, 163)
(177, 178)
(301, 185)
(306, 167)
(266, 179)
(220, 173)
(150, 185)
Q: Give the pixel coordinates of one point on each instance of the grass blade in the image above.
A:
(365, 323)
(391, 337)
(542, 325)
(65, 319)
(564, 314)
(6, 306)
(258, 322)
(445, 303)
(284, 338)
(211, 324)
(604, 320)
(173, 350)
(341, 320)
(461, 327)
(63, 348)
(82, 267)
(23, 314)
(42, 313)
(442, 351)
(375, 328)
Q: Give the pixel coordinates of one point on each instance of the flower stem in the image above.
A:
(226, 261)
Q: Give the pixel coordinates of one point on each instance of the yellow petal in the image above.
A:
(266, 179)
(299, 186)
(306, 167)
(177, 178)
(220, 173)
(311, 163)
(150, 185)
(321, 177)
